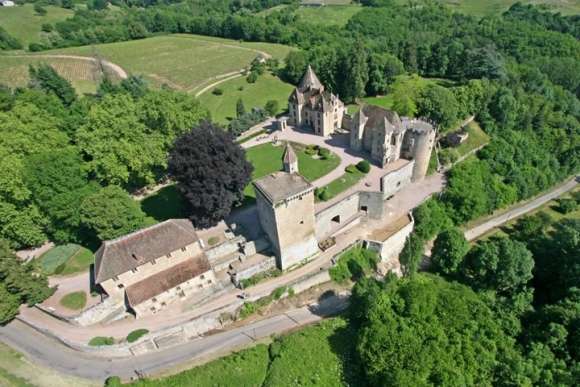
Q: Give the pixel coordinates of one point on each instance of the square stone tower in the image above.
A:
(286, 210)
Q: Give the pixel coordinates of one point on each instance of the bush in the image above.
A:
(364, 166)
(113, 381)
(272, 107)
(324, 153)
(252, 78)
(311, 150)
(217, 91)
(47, 27)
(354, 264)
(324, 195)
(99, 341)
(136, 335)
(566, 206)
(351, 168)
(35, 47)
(448, 156)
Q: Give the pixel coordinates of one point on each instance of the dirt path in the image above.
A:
(219, 79)
(121, 73)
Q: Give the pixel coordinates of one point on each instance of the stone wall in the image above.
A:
(329, 219)
(393, 181)
(391, 247)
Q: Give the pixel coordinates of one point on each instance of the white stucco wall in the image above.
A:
(393, 181)
(346, 209)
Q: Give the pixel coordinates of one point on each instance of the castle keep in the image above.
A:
(314, 108)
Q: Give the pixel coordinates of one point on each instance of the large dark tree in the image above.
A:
(211, 171)
(46, 78)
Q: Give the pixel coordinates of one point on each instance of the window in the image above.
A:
(134, 270)
(209, 281)
(168, 255)
(178, 288)
(163, 303)
(301, 222)
(153, 262)
(153, 309)
(202, 276)
(120, 286)
(183, 248)
(398, 184)
(115, 278)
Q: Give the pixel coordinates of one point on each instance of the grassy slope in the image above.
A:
(255, 94)
(320, 355)
(477, 137)
(17, 371)
(181, 61)
(74, 257)
(341, 184)
(23, 23)
(74, 300)
(493, 7)
(246, 368)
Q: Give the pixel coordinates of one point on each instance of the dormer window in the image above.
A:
(183, 248)
(134, 270)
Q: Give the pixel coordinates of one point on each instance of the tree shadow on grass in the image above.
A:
(167, 203)
(343, 344)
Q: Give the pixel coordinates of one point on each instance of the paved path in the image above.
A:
(50, 353)
(519, 210)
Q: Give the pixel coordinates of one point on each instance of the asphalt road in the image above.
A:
(47, 352)
(497, 221)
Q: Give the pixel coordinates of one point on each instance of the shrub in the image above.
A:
(272, 107)
(351, 168)
(324, 195)
(566, 206)
(47, 27)
(33, 47)
(252, 78)
(354, 264)
(241, 88)
(99, 341)
(364, 166)
(136, 335)
(113, 381)
(217, 91)
(324, 153)
(448, 156)
(311, 150)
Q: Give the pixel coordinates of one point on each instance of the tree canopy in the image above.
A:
(211, 171)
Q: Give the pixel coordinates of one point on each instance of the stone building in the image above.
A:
(285, 202)
(311, 106)
(153, 267)
(387, 138)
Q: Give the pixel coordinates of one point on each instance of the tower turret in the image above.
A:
(290, 160)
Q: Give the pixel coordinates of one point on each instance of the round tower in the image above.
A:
(423, 140)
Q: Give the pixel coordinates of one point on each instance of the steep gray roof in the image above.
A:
(310, 81)
(289, 155)
(280, 186)
(120, 255)
(376, 118)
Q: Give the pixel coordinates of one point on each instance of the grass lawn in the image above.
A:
(330, 15)
(82, 74)
(495, 7)
(245, 368)
(341, 184)
(74, 300)
(267, 158)
(321, 355)
(268, 87)
(66, 259)
(477, 137)
(22, 22)
(17, 371)
(181, 61)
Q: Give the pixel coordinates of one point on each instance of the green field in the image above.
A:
(66, 259)
(167, 203)
(23, 23)
(320, 355)
(494, 7)
(341, 184)
(84, 75)
(330, 15)
(267, 87)
(184, 62)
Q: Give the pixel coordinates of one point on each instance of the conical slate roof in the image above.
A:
(289, 155)
(310, 81)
